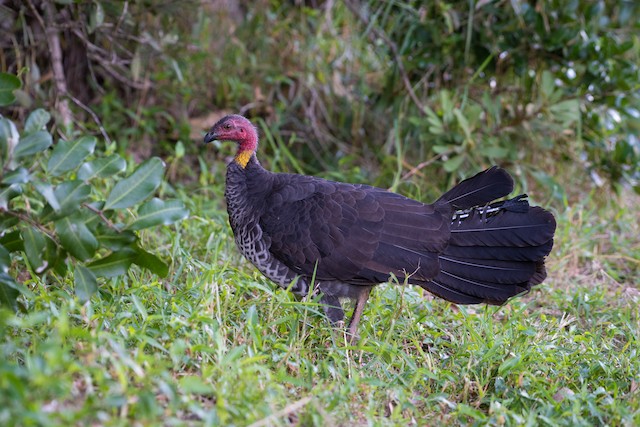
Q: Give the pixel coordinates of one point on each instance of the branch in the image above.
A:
(26, 218)
(113, 68)
(104, 219)
(125, 8)
(118, 75)
(416, 169)
(55, 51)
(92, 114)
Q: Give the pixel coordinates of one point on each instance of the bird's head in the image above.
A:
(237, 129)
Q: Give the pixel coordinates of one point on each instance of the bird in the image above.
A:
(309, 234)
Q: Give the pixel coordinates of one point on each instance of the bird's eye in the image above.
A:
(227, 126)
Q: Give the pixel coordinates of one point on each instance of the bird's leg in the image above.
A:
(361, 301)
(332, 308)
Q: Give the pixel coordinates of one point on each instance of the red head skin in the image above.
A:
(238, 129)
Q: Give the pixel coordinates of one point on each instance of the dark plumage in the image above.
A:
(350, 237)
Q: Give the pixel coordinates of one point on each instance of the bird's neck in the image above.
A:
(244, 164)
(243, 157)
(245, 186)
(247, 149)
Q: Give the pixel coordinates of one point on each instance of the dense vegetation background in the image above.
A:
(109, 315)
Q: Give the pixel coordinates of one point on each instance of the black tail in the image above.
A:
(480, 189)
(496, 251)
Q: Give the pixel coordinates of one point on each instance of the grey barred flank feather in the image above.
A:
(252, 241)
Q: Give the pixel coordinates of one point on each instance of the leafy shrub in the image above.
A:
(54, 218)
(502, 79)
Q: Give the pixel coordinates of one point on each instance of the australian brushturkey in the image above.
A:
(464, 248)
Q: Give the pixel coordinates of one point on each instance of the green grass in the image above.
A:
(216, 343)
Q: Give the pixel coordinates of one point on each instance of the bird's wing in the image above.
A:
(352, 233)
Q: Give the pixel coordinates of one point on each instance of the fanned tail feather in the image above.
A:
(480, 189)
(496, 251)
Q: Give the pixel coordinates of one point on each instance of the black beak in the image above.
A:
(210, 137)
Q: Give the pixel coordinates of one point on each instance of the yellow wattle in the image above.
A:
(243, 157)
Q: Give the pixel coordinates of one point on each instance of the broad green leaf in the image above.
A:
(8, 291)
(36, 121)
(70, 195)
(453, 163)
(76, 238)
(6, 221)
(447, 106)
(115, 264)
(441, 149)
(35, 248)
(462, 122)
(157, 212)
(96, 18)
(547, 84)
(180, 151)
(432, 117)
(8, 83)
(23, 97)
(9, 138)
(114, 240)
(68, 155)
(103, 167)
(8, 193)
(5, 260)
(18, 176)
(46, 190)
(437, 127)
(86, 283)
(32, 144)
(136, 65)
(60, 265)
(138, 186)
(494, 152)
(473, 113)
(12, 241)
(151, 262)
(53, 252)
(434, 130)
(566, 112)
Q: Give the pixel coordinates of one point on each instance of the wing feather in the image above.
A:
(353, 233)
